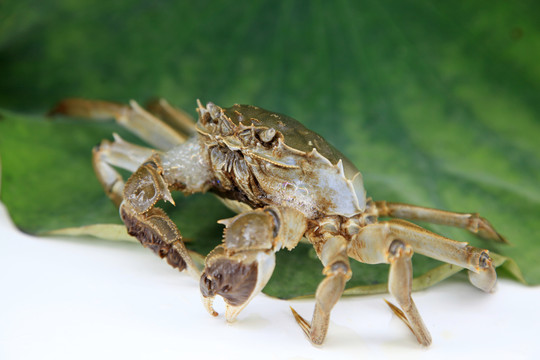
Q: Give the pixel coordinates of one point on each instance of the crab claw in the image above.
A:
(239, 269)
(237, 278)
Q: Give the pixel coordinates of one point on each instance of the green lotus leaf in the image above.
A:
(437, 105)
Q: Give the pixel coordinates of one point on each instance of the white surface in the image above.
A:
(90, 299)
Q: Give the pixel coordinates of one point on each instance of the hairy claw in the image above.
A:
(232, 280)
(156, 232)
(236, 277)
(238, 269)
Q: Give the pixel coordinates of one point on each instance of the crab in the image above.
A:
(286, 183)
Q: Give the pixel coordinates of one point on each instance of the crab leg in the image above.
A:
(174, 117)
(400, 286)
(133, 117)
(149, 183)
(472, 222)
(338, 272)
(151, 226)
(121, 154)
(393, 242)
(239, 269)
(371, 243)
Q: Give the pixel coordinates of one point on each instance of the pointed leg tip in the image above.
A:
(494, 236)
(502, 239)
(302, 322)
(423, 337)
(297, 316)
(63, 107)
(488, 232)
(397, 311)
(293, 311)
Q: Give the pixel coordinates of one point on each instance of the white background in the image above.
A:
(65, 298)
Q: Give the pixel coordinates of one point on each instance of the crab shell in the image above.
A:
(262, 158)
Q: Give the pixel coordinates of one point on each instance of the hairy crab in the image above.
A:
(286, 183)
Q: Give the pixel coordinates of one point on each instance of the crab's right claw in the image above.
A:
(237, 279)
(239, 269)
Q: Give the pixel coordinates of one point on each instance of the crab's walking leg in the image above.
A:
(400, 286)
(337, 270)
(239, 269)
(133, 117)
(470, 221)
(174, 117)
(151, 226)
(393, 242)
(365, 248)
(118, 153)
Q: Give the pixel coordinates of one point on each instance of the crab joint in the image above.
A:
(146, 186)
(484, 277)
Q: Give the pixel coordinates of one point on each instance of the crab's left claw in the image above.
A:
(239, 269)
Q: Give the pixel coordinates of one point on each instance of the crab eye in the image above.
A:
(267, 135)
(205, 118)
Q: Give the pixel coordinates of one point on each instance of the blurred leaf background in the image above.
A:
(437, 103)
